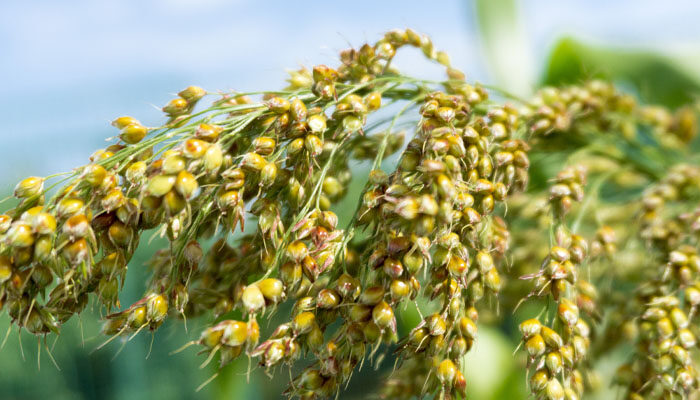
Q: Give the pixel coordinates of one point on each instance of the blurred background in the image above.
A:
(70, 67)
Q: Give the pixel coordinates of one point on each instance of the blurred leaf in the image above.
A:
(505, 44)
(657, 78)
(490, 363)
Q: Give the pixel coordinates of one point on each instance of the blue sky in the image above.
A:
(69, 67)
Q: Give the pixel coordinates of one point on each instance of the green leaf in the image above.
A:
(505, 43)
(657, 78)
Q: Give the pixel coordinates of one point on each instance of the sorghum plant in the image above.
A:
(488, 207)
